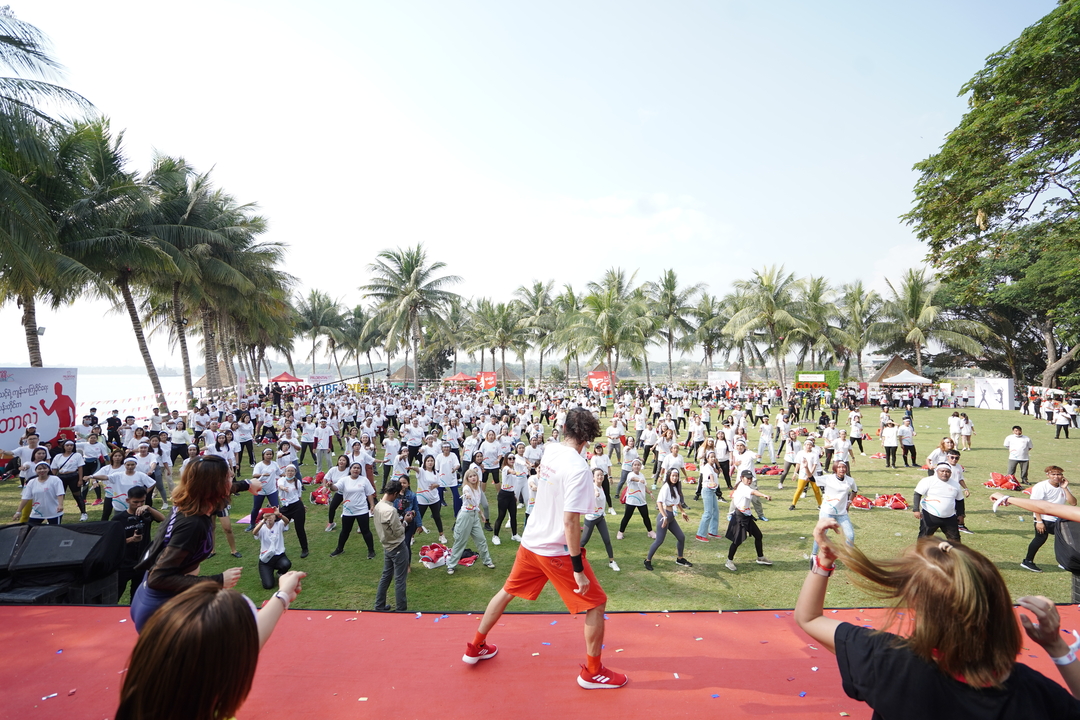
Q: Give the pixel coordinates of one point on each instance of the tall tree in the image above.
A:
(858, 311)
(673, 307)
(410, 290)
(318, 315)
(536, 304)
(912, 318)
(769, 306)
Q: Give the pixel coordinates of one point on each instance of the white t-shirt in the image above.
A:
(564, 484)
(1019, 447)
(1048, 493)
(122, 482)
(668, 497)
(446, 467)
(835, 494)
(740, 498)
(938, 498)
(46, 498)
(427, 487)
(271, 541)
(599, 503)
(636, 489)
(355, 492)
(267, 474)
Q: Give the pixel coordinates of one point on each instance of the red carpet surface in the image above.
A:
(334, 664)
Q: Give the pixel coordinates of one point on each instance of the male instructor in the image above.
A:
(564, 492)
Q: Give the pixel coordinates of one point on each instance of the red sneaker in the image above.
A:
(603, 680)
(474, 654)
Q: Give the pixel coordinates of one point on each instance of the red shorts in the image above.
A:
(531, 572)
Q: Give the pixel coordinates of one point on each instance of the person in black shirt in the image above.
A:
(957, 659)
(113, 423)
(137, 525)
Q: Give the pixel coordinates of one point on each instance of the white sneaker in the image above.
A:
(516, 538)
(613, 565)
(423, 530)
(331, 527)
(519, 507)
(619, 536)
(507, 526)
(442, 539)
(730, 566)
(84, 517)
(611, 511)
(495, 540)
(780, 486)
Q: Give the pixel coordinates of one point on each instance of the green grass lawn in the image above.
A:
(349, 581)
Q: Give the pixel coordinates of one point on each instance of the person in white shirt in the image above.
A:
(837, 491)
(358, 499)
(669, 501)
(637, 490)
(44, 496)
(270, 530)
(937, 504)
(1020, 447)
(808, 465)
(68, 466)
(613, 434)
(428, 491)
(507, 499)
(565, 492)
(291, 492)
(1054, 489)
(324, 445)
(741, 524)
(890, 441)
(766, 440)
(906, 433)
(266, 472)
(596, 519)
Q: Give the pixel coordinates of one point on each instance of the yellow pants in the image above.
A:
(801, 488)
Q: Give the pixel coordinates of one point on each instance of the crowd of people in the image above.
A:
(441, 449)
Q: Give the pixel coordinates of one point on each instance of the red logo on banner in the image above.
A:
(599, 381)
(485, 381)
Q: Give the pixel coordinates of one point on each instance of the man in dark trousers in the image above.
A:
(137, 521)
(391, 532)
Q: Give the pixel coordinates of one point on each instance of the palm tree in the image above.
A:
(858, 311)
(815, 302)
(911, 317)
(318, 316)
(409, 291)
(567, 309)
(607, 323)
(361, 336)
(672, 307)
(537, 313)
(500, 326)
(769, 307)
(710, 320)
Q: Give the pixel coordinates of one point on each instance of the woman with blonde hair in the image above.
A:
(196, 659)
(956, 652)
(469, 523)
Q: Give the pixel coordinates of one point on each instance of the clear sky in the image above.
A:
(544, 140)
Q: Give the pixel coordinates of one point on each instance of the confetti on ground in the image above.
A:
(72, 691)
(790, 679)
(814, 669)
(554, 621)
(59, 651)
(50, 696)
(535, 654)
(437, 619)
(619, 650)
(811, 647)
(606, 617)
(764, 642)
(844, 715)
(445, 616)
(350, 620)
(124, 620)
(419, 615)
(359, 699)
(545, 643)
(802, 694)
(697, 638)
(775, 615)
(329, 616)
(676, 676)
(835, 611)
(715, 696)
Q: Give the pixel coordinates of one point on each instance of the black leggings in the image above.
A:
(783, 476)
(297, 514)
(280, 563)
(890, 455)
(752, 531)
(662, 531)
(436, 512)
(630, 511)
(250, 445)
(1058, 429)
(600, 524)
(71, 482)
(335, 501)
(507, 505)
(364, 521)
(858, 440)
(606, 487)
(1039, 539)
(492, 473)
(909, 450)
(725, 467)
(304, 448)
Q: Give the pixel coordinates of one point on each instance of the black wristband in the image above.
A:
(576, 561)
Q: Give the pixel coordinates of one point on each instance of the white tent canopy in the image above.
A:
(907, 378)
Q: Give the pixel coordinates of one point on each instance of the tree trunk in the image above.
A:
(288, 359)
(523, 378)
(670, 373)
(503, 356)
(370, 366)
(333, 354)
(918, 357)
(136, 325)
(181, 338)
(29, 321)
(648, 375)
(540, 375)
(455, 361)
(577, 366)
(314, 342)
(213, 377)
(611, 375)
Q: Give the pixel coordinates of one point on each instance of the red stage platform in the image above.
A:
(335, 664)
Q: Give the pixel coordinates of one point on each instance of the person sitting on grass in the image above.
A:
(957, 654)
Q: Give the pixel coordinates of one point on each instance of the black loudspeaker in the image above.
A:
(1067, 545)
(11, 536)
(86, 551)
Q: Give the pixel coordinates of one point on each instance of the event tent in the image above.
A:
(460, 377)
(286, 378)
(907, 378)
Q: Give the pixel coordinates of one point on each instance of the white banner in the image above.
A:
(321, 379)
(810, 377)
(993, 393)
(724, 379)
(42, 397)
